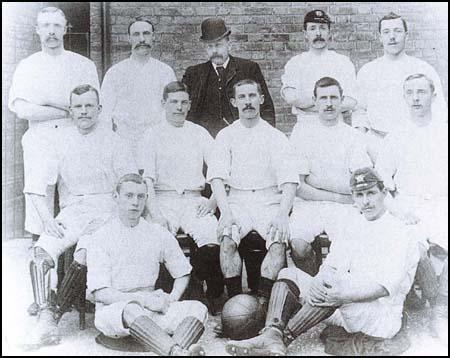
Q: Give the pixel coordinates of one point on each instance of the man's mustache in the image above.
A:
(216, 55)
(142, 44)
(249, 107)
(318, 39)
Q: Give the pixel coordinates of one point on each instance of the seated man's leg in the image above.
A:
(439, 315)
(274, 261)
(146, 331)
(188, 332)
(231, 265)
(306, 223)
(46, 330)
(206, 260)
(185, 319)
(73, 284)
(284, 320)
(230, 260)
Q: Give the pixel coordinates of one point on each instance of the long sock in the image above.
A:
(71, 287)
(284, 301)
(427, 279)
(234, 286)
(148, 333)
(265, 287)
(307, 317)
(188, 332)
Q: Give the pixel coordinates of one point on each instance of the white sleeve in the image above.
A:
(349, 79)
(291, 77)
(387, 162)
(220, 162)
(108, 95)
(146, 155)
(298, 149)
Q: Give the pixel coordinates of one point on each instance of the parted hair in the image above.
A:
(247, 82)
(143, 19)
(392, 16)
(51, 9)
(172, 87)
(131, 177)
(420, 75)
(327, 82)
(79, 90)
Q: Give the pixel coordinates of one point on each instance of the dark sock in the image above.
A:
(234, 286)
(265, 287)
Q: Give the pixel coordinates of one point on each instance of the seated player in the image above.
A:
(414, 166)
(255, 160)
(361, 286)
(172, 155)
(88, 161)
(328, 152)
(123, 266)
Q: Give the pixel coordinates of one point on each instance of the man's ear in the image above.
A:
(233, 102)
(100, 108)
(262, 98)
(115, 195)
(163, 102)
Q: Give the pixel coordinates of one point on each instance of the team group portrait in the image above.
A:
(241, 179)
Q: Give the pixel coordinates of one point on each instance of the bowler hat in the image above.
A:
(214, 29)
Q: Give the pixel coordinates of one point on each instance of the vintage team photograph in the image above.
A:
(225, 178)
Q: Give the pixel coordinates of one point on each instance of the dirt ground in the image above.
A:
(17, 295)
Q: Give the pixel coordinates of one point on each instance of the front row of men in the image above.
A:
(254, 173)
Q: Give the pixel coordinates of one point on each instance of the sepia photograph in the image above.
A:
(224, 178)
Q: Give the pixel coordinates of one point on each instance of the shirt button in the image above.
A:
(220, 88)
(253, 190)
(56, 126)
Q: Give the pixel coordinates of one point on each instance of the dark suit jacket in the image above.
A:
(195, 78)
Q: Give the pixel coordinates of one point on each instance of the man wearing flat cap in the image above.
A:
(304, 70)
(210, 84)
(359, 290)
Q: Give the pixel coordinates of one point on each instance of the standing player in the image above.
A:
(132, 89)
(361, 286)
(255, 161)
(40, 94)
(304, 70)
(123, 268)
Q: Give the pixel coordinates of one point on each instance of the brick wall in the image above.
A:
(18, 41)
(270, 33)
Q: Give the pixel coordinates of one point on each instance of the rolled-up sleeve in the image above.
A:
(20, 87)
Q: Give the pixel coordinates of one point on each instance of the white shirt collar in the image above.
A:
(224, 65)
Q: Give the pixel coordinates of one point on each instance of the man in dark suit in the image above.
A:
(210, 84)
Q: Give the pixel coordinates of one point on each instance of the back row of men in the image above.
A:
(263, 171)
(132, 89)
